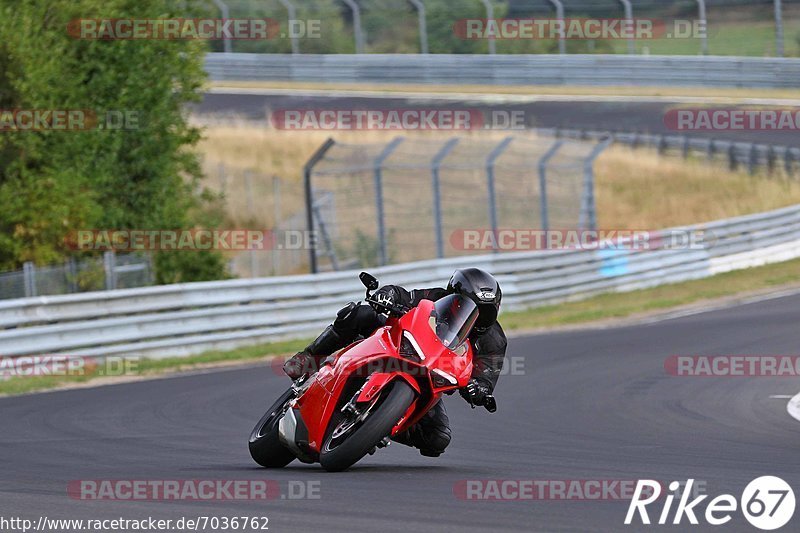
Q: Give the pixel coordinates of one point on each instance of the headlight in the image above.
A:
(410, 349)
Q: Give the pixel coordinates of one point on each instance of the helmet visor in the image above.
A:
(452, 319)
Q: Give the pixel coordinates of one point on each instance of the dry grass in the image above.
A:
(635, 189)
(640, 189)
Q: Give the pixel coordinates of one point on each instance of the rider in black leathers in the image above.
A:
(431, 434)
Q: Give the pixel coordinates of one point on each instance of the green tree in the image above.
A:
(141, 176)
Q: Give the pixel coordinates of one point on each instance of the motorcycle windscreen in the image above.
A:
(452, 319)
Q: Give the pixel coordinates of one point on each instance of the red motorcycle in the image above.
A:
(373, 389)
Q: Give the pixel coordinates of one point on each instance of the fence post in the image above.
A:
(771, 157)
(701, 5)
(71, 267)
(752, 159)
(359, 35)
(562, 45)
(436, 164)
(109, 267)
(490, 161)
(383, 256)
(29, 278)
(276, 224)
(629, 16)
(588, 176)
(778, 29)
(308, 168)
(248, 189)
(226, 40)
(543, 161)
(732, 162)
(489, 16)
(292, 17)
(423, 26)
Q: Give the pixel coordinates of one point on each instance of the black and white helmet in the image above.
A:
(480, 287)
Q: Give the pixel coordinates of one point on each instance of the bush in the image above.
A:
(55, 182)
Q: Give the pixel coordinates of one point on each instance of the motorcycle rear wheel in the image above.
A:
(265, 447)
(342, 454)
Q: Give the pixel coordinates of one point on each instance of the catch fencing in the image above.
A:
(538, 69)
(412, 199)
(107, 272)
(750, 155)
(187, 318)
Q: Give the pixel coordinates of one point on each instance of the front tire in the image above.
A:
(338, 456)
(265, 446)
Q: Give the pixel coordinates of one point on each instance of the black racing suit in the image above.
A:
(432, 433)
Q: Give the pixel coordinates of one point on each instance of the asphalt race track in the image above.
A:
(589, 404)
(632, 115)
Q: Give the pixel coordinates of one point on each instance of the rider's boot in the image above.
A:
(308, 360)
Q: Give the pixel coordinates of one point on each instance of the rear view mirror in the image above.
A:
(369, 281)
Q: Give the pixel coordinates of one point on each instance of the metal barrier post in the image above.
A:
(779, 29)
(71, 268)
(752, 159)
(223, 8)
(701, 5)
(248, 187)
(489, 16)
(436, 164)
(423, 26)
(383, 255)
(732, 162)
(562, 45)
(29, 278)
(589, 209)
(490, 161)
(292, 17)
(543, 181)
(626, 4)
(307, 170)
(359, 35)
(109, 267)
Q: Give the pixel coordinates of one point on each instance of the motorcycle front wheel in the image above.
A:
(349, 438)
(265, 447)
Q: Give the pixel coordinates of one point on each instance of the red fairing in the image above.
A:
(369, 366)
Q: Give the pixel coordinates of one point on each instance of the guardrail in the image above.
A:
(187, 318)
(591, 69)
(750, 155)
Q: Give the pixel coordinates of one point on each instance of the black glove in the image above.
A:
(475, 392)
(387, 295)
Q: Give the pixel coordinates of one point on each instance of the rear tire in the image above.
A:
(398, 396)
(265, 446)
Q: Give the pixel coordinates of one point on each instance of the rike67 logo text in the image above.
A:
(767, 503)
